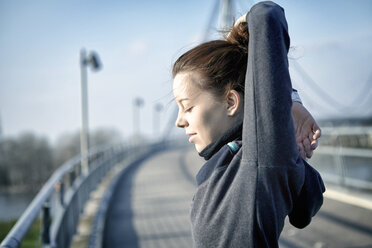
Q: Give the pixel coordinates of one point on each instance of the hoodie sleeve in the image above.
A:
(310, 199)
(284, 183)
(268, 132)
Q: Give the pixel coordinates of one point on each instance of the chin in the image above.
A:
(199, 148)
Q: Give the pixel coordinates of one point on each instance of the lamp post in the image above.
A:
(156, 118)
(137, 104)
(91, 60)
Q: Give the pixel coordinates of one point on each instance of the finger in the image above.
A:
(310, 154)
(314, 144)
(243, 18)
(311, 135)
(303, 154)
(307, 146)
(317, 133)
(301, 150)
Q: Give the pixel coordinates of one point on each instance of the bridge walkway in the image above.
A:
(151, 209)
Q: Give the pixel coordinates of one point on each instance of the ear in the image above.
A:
(233, 100)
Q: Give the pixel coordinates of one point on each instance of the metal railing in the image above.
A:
(345, 165)
(62, 198)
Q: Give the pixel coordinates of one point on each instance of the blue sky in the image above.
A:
(137, 42)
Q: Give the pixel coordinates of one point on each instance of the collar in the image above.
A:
(230, 135)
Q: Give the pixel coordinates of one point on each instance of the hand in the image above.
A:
(243, 18)
(306, 129)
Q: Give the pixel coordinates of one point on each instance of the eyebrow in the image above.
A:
(183, 99)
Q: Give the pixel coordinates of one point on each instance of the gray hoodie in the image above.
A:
(248, 187)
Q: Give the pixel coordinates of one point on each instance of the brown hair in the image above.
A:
(221, 63)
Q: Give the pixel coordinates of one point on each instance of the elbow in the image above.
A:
(300, 223)
(268, 19)
(309, 201)
(266, 13)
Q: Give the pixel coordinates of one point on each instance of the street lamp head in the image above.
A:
(94, 61)
(158, 107)
(139, 102)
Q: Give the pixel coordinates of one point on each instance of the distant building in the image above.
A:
(366, 121)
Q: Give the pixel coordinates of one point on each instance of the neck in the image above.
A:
(233, 133)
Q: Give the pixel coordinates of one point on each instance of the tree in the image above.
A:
(68, 145)
(26, 161)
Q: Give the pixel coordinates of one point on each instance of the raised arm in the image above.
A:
(285, 183)
(268, 132)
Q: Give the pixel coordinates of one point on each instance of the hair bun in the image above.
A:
(239, 36)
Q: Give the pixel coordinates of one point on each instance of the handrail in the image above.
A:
(347, 130)
(335, 161)
(20, 229)
(345, 151)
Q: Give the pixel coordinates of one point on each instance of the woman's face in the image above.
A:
(203, 116)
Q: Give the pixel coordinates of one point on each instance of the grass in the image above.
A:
(32, 238)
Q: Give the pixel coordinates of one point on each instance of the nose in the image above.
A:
(181, 122)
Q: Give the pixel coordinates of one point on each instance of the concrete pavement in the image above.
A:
(151, 205)
(151, 209)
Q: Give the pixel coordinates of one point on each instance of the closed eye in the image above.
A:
(189, 109)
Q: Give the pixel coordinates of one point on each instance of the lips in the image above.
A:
(191, 136)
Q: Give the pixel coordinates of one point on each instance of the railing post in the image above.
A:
(62, 193)
(72, 177)
(339, 161)
(61, 181)
(46, 225)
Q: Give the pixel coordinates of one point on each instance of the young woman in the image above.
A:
(234, 99)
